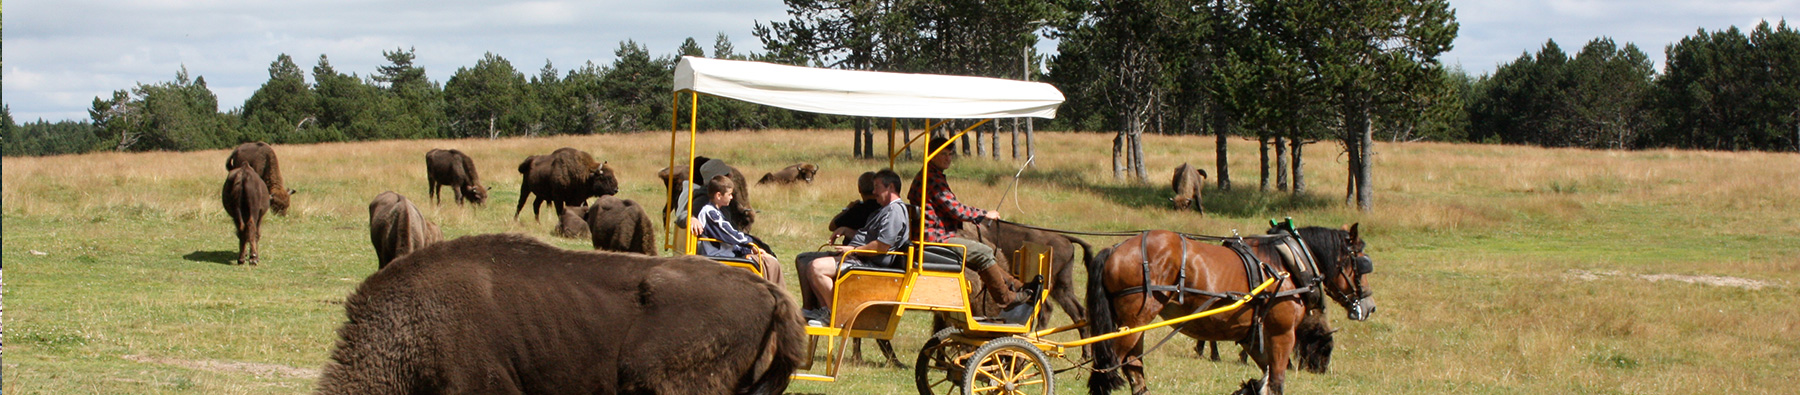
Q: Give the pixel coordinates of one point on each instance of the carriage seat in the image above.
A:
(942, 259)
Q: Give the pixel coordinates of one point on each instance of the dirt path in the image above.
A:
(1721, 281)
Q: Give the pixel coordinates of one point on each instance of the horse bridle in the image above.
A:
(1358, 265)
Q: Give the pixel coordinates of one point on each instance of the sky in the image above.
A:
(61, 54)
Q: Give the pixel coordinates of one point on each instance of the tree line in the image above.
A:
(1288, 74)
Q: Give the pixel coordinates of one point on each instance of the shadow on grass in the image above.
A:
(1238, 202)
(219, 257)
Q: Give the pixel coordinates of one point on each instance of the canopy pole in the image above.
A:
(692, 244)
(669, 207)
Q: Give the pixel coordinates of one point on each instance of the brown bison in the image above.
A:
(261, 156)
(790, 174)
(620, 225)
(396, 228)
(454, 169)
(507, 314)
(1186, 184)
(1006, 237)
(567, 177)
(246, 198)
(572, 222)
(740, 212)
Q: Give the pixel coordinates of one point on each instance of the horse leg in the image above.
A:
(1134, 365)
(887, 349)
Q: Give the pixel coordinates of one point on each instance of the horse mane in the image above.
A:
(1324, 242)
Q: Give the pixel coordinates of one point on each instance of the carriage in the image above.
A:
(975, 354)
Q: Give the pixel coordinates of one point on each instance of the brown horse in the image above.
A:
(1164, 273)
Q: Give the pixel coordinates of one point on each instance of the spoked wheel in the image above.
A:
(939, 369)
(1009, 366)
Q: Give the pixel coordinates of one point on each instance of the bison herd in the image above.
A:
(458, 316)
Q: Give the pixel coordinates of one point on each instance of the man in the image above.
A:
(944, 215)
(884, 232)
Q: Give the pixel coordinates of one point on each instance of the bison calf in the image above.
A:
(572, 222)
(396, 228)
(621, 225)
(790, 174)
(507, 314)
(246, 198)
(454, 169)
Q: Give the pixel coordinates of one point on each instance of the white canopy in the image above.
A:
(867, 93)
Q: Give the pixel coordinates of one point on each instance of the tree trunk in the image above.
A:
(1030, 140)
(890, 130)
(869, 139)
(980, 150)
(994, 140)
(1137, 156)
(965, 145)
(1299, 184)
(1262, 146)
(856, 145)
(1221, 166)
(1117, 156)
(491, 133)
(906, 137)
(1281, 168)
(1015, 139)
(1365, 189)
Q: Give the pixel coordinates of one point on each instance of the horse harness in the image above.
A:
(1255, 272)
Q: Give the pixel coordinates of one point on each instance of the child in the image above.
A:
(731, 243)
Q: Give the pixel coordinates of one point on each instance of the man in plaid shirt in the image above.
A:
(944, 215)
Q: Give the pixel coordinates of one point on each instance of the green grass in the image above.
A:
(118, 282)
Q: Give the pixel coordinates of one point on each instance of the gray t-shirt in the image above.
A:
(888, 225)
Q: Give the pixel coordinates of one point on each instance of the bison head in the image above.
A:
(603, 181)
(808, 171)
(475, 193)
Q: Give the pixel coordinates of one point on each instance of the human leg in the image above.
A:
(994, 278)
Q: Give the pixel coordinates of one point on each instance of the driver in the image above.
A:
(944, 215)
(885, 231)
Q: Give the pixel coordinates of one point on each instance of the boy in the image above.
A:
(731, 243)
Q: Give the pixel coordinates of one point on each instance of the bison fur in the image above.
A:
(396, 228)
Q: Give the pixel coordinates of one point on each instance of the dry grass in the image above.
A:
(1474, 246)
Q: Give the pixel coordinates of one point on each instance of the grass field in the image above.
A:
(1499, 269)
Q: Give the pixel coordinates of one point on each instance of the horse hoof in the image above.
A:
(1251, 387)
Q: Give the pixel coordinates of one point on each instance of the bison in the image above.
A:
(620, 225)
(572, 222)
(1186, 184)
(396, 228)
(454, 169)
(507, 314)
(261, 156)
(567, 177)
(790, 174)
(740, 213)
(246, 199)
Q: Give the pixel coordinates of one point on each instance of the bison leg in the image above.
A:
(434, 192)
(524, 193)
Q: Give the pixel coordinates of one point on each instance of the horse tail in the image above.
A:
(1100, 320)
(784, 347)
(1313, 342)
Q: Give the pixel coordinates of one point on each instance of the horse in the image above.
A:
(1164, 273)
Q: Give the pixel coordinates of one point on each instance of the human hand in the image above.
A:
(841, 232)
(992, 215)
(696, 230)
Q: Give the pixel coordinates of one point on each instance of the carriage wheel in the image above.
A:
(1010, 366)
(939, 369)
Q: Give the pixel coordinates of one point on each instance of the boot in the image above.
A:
(1002, 285)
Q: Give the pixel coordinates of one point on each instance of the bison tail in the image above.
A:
(765, 178)
(784, 348)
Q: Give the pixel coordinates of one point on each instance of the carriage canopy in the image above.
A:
(867, 93)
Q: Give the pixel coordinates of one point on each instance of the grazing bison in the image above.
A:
(739, 213)
(246, 198)
(454, 169)
(396, 228)
(507, 314)
(790, 174)
(261, 156)
(572, 222)
(620, 225)
(567, 177)
(1186, 183)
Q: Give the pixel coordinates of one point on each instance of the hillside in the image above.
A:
(1499, 269)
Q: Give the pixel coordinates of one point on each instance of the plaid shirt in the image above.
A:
(939, 227)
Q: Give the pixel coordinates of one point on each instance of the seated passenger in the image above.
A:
(845, 223)
(885, 231)
(944, 215)
(731, 243)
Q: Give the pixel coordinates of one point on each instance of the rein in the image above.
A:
(1129, 233)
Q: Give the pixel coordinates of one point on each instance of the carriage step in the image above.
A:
(814, 377)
